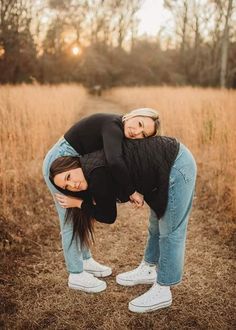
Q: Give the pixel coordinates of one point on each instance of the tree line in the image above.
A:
(95, 42)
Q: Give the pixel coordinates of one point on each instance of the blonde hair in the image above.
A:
(145, 112)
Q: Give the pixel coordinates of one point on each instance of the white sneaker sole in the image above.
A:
(99, 288)
(132, 283)
(102, 273)
(142, 309)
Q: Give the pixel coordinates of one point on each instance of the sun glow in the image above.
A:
(2, 52)
(76, 50)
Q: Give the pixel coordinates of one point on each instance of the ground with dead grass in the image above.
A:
(34, 284)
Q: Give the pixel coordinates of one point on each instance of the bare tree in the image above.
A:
(225, 45)
(180, 11)
(16, 40)
(124, 18)
(73, 15)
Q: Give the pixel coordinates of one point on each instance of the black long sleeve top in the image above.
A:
(103, 131)
(102, 190)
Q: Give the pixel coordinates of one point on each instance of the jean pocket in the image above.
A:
(187, 172)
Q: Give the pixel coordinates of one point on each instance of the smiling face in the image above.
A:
(139, 127)
(72, 180)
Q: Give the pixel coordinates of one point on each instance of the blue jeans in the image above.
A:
(166, 237)
(73, 253)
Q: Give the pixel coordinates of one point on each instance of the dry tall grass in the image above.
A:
(32, 118)
(203, 119)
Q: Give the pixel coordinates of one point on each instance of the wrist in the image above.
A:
(132, 195)
(79, 203)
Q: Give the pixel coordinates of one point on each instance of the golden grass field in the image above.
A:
(33, 280)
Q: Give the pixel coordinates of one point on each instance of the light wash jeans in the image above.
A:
(166, 237)
(73, 253)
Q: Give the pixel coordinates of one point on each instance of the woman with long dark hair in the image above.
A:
(164, 172)
(98, 131)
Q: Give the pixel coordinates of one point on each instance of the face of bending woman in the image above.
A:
(72, 180)
(139, 127)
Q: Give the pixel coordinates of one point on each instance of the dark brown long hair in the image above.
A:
(83, 223)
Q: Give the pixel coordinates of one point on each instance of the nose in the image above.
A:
(137, 130)
(71, 184)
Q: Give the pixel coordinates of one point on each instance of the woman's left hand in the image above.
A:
(68, 201)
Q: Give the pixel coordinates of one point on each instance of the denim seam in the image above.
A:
(172, 209)
(172, 217)
(185, 177)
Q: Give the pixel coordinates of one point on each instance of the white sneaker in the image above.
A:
(93, 267)
(143, 274)
(86, 282)
(155, 298)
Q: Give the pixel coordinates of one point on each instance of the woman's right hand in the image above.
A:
(68, 201)
(137, 199)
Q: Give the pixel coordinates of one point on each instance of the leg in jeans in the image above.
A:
(152, 251)
(173, 225)
(72, 252)
(166, 239)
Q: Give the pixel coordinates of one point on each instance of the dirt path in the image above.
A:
(37, 296)
(97, 104)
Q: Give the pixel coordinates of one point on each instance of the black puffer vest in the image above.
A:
(149, 162)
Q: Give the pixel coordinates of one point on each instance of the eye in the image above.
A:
(68, 177)
(140, 124)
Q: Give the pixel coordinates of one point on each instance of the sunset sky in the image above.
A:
(152, 16)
